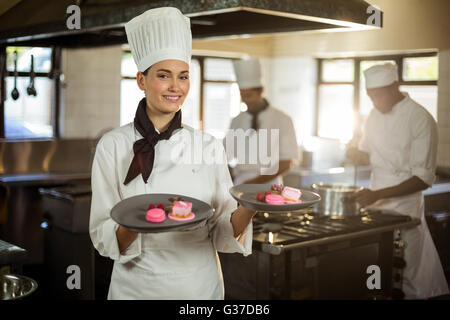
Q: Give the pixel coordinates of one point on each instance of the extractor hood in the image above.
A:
(43, 22)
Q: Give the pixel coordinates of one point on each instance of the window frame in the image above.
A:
(54, 74)
(398, 58)
(204, 81)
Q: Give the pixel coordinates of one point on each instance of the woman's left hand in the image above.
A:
(365, 197)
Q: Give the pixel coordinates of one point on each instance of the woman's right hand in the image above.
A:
(125, 238)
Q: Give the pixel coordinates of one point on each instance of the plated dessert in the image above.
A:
(178, 210)
(155, 215)
(279, 194)
(181, 211)
(138, 213)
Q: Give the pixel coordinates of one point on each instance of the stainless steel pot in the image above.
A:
(334, 201)
(14, 287)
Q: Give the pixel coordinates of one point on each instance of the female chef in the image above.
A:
(138, 158)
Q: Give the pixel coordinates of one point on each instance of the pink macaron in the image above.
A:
(274, 199)
(155, 215)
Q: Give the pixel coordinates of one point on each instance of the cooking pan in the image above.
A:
(335, 202)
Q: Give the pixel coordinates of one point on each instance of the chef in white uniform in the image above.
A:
(261, 115)
(149, 156)
(400, 142)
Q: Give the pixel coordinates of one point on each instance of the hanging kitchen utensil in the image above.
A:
(30, 89)
(15, 93)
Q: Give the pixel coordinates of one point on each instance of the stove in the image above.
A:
(297, 255)
(275, 232)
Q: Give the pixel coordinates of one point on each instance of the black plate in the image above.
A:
(246, 194)
(131, 212)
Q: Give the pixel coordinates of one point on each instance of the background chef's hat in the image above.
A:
(248, 73)
(159, 34)
(381, 75)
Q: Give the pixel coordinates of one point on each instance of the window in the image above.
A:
(191, 106)
(130, 94)
(425, 96)
(342, 102)
(420, 68)
(335, 98)
(336, 111)
(221, 96)
(339, 70)
(213, 98)
(29, 115)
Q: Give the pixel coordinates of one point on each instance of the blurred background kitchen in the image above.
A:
(313, 54)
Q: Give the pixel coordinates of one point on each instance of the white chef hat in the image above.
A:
(381, 75)
(159, 34)
(248, 73)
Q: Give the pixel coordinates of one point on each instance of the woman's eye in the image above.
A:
(184, 77)
(163, 76)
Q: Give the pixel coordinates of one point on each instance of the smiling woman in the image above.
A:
(137, 158)
(166, 85)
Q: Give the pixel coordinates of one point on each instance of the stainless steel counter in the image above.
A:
(46, 156)
(26, 166)
(42, 179)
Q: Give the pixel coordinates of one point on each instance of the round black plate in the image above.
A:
(130, 213)
(246, 194)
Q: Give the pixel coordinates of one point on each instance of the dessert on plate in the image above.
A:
(279, 194)
(155, 215)
(274, 199)
(181, 211)
(178, 210)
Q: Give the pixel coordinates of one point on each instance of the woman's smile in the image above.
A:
(172, 98)
(166, 86)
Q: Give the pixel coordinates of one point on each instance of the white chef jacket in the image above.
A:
(402, 144)
(269, 118)
(169, 265)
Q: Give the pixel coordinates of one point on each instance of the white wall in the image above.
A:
(444, 108)
(290, 86)
(91, 98)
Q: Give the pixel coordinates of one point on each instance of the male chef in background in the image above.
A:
(261, 115)
(400, 142)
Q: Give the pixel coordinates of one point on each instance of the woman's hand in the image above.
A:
(125, 238)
